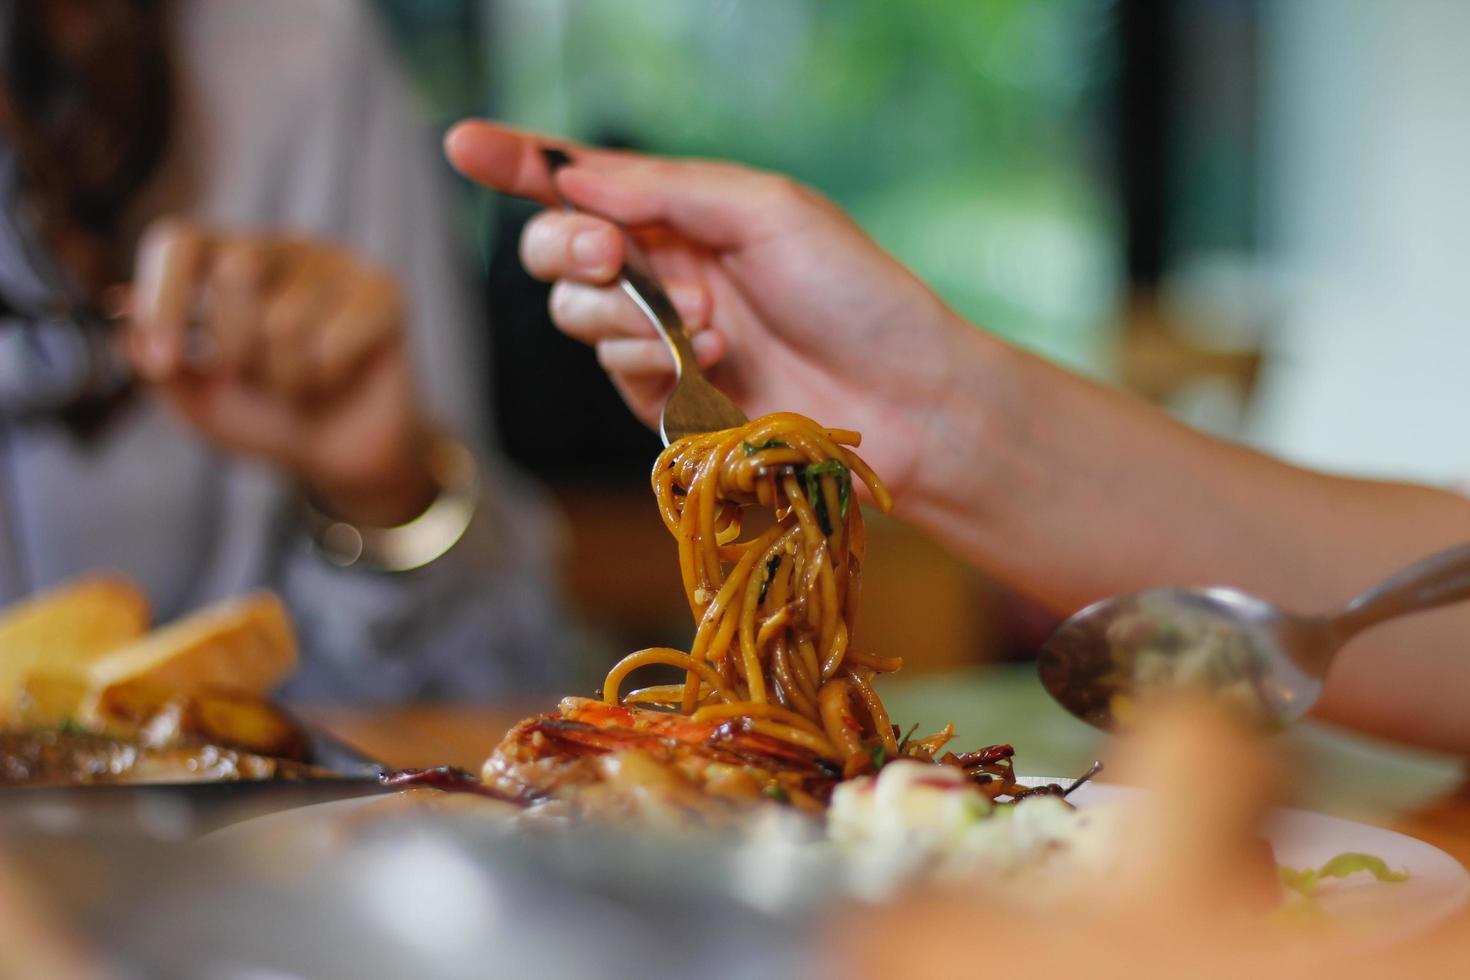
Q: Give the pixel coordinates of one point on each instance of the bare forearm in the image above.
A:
(1070, 492)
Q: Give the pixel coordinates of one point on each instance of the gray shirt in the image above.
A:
(292, 116)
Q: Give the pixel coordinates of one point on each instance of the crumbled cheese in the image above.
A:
(919, 819)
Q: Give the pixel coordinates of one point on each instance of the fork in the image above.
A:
(695, 405)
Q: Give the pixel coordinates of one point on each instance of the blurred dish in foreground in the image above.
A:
(880, 843)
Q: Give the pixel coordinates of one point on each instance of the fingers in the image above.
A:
(718, 205)
(715, 205)
(367, 322)
(632, 358)
(304, 297)
(301, 318)
(562, 245)
(288, 316)
(168, 274)
(592, 314)
(572, 250)
(509, 160)
(239, 279)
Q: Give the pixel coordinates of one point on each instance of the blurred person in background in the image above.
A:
(239, 347)
(1055, 485)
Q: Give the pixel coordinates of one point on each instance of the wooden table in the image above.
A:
(420, 736)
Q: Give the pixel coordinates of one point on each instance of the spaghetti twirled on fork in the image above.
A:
(774, 611)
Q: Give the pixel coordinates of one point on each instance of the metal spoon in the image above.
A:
(694, 405)
(1268, 661)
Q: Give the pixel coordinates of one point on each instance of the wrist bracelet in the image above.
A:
(420, 541)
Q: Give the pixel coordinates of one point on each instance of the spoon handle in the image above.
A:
(1438, 580)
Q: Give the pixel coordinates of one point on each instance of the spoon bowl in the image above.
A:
(1103, 660)
(1268, 663)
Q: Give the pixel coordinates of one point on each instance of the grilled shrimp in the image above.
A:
(619, 760)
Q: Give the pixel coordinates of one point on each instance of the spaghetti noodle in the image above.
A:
(774, 609)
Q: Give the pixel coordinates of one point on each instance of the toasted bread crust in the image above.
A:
(63, 631)
(66, 652)
(245, 644)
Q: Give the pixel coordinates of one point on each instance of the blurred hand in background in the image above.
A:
(258, 175)
(288, 349)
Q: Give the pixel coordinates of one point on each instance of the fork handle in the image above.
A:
(638, 280)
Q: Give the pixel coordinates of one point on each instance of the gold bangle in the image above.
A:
(420, 541)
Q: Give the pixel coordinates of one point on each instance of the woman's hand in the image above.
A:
(791, 306)
(290, 350)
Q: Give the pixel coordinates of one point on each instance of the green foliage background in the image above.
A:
(965, 135)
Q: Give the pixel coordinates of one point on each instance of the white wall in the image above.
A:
(1367, 213)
